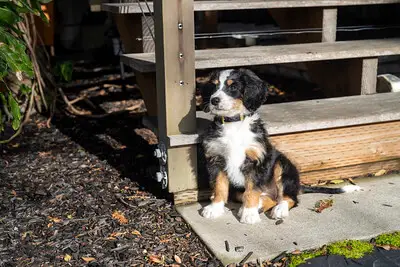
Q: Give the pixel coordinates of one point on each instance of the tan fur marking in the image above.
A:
(253, 154)
(251, 196)
(221, 188)
(267, 203)
(278, 180)
(229, 82)
(238, 105)
(290, 201)
(216, 82)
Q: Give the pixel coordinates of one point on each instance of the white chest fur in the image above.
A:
(235, 139)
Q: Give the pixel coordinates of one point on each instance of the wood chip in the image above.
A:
(246, 258)
(177, 259)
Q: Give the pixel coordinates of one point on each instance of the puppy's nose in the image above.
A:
(215, 100)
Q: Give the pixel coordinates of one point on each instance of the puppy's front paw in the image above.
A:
(281, 210)
(249, 215)
(213, 210)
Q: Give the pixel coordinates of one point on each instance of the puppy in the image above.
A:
(239, 155)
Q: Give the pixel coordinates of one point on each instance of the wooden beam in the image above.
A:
(174, 25)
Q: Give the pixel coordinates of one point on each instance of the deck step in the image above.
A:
(262, 55)
(131, 8)
(303, 116)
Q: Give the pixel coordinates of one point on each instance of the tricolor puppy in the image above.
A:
(239, 155)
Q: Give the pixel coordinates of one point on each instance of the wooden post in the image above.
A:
(175, 67)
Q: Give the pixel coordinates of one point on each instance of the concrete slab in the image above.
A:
(358, 215)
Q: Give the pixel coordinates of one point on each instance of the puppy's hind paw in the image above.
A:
(214, 210)
(249, 215)
(281, 210)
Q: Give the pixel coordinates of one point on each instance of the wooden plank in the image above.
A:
(262, 55)
(126, 8)
(176, 87)
(312, 115)
(349, 171)
(341, 147)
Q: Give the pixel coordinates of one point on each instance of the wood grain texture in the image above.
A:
(262, 55)
(176, 87)
(126, 8)
(336, 148)
(312, 115)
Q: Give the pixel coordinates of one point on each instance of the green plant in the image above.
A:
(16, 53)
(392, 239)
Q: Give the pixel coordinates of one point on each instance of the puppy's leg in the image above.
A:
(266, 203)
(219, 197)
(288, 185)
(248, 213)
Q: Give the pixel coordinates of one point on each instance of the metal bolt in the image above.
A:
(180, 26)
(180, 55)
(181, 83)
(159, 177)
(157, 153)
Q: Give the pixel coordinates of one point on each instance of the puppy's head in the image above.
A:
(235, 92)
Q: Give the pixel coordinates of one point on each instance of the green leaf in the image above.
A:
(45, 1)
(15, 112)
(8, 17)
(25, 90)
(1, 122)
(66, 71)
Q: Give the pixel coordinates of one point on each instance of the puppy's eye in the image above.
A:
(229, 82)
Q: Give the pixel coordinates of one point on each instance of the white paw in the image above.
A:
(213, 210)
(249, 215)
(281, 210)
(350, 188)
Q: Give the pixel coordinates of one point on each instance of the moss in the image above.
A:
(350, 248)
(296, 260)
(392, 239)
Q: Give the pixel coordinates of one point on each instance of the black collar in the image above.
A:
(223, 120)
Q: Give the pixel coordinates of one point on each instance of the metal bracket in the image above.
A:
(161, 154)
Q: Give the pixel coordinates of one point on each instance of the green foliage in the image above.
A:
(392, 239)
(350, 248)
(296, 260)
(14, 58)
(64, 70)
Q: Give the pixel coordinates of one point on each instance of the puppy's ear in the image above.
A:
(205, 87)
(255, 90)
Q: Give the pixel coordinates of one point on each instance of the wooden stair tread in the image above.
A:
(262, 55)
(129, 8)
(294, 117)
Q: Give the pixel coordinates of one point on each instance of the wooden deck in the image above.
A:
(132, 8)
(261, 55)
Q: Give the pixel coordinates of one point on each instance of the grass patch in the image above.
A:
(392, 239)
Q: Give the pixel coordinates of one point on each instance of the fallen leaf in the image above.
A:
(67, 257)
(14, 193)
(136, 232)
(120, 217)
(380, 173)
(44, 154)
(320, 205)
(49, 225)
(385, 247)
(69, 216)
(351, 181)
(55, 219)
(339, 181)
(296, 252)
(177, 259)
(155, 259)
(88, 259)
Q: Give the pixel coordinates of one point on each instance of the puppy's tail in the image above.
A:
(327, 190)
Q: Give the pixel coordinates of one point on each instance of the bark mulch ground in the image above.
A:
(77, 196)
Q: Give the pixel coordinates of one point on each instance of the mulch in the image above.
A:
(66, 201)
